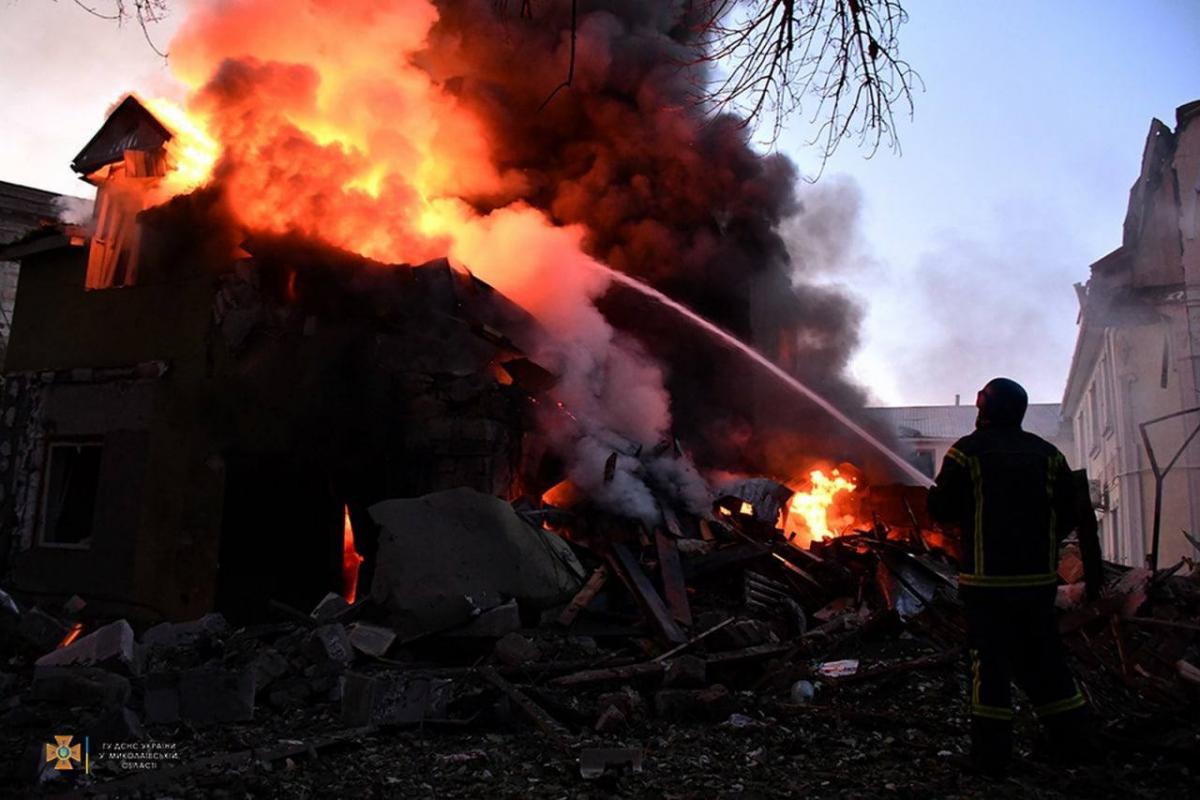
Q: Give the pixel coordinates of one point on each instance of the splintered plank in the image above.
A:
(627, 672)
(755, 653)
(546, 723)
(642, 589)
(585, 595)
(672, 578)
(795, 570)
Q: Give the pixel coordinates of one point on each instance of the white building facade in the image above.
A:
(1137, 357)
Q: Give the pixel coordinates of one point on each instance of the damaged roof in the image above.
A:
(23, 208)
(129, 127)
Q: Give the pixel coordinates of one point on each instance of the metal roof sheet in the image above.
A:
(952, 422)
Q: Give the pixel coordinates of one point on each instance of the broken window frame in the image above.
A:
(42, 539)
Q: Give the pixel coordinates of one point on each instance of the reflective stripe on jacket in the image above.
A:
(1011, 493)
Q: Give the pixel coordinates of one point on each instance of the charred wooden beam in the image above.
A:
(592, 676)
(585, 595)
(627, 567)
(546, 723)
(671, 571)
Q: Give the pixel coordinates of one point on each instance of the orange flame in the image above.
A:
(327, 120)
(351, 560)
(72, 635)
(809, 510)
(320, 121)
(191, 153)
(563, 494)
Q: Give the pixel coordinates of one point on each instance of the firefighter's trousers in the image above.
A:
(1012, 636)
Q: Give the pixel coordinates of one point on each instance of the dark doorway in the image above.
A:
(281, 537)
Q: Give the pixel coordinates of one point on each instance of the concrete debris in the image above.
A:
(268, 665)
(331, 607)
(186, 634)
(611, 719)
(111, 647)
(80, 686)
(515, 649)
(373, 640)
(741, 722)
(595, 761)
(505, 642)
(389, 699)
(686, 671)
(618, 709)
(329, 647)
(711, 704)
(204, 695)
(73, 606)
(161, 698)
(41, 630)
(208, 695)
(8, 606)
(494, 623)
(436, 549)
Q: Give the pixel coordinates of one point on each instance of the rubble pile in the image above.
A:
(527, 649)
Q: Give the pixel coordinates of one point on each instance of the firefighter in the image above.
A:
(1013, 497)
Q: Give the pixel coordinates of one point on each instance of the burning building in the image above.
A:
(170, 409)
(209, 384)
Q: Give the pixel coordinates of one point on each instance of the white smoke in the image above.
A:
(611, 395)
(74, 210)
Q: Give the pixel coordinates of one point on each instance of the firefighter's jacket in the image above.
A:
(1012, 495)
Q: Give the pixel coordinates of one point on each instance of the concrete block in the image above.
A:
(214, 694)
(110, 647)
(268, 665)
(494, 623)
(202, 695)
(374, 640)
(80, 686)
(329, 647)
(331, 606)
(160, 698)
(184, 634)
(392, 699)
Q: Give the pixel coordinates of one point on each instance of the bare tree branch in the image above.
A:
(767, 59)
(144, 12)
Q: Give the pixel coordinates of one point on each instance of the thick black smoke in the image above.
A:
(668, 194)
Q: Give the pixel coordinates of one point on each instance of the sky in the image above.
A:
(1013, 175)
